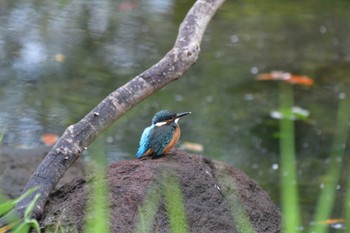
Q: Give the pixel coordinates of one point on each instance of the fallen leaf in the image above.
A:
(300, 80)
(196, 147)
(49, 139)
(273, 75)
(286, 77)
(59, 57)
(126, 6)
(333, 221)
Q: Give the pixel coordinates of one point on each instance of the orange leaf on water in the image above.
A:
(333, 221)
(195, 147)
(59, 57)
(49, 139)
(300, 80)
(286, 77)
(127, 5)
(273, 75)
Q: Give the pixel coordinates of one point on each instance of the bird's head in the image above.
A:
(165, 116)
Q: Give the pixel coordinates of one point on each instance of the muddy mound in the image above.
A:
(214, 195)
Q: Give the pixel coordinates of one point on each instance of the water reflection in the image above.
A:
(58, 59)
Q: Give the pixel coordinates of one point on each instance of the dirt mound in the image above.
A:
(215, 195)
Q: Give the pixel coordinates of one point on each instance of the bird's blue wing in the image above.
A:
(160, 138)
(144, 141)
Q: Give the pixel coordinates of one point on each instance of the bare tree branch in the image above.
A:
(78, 136)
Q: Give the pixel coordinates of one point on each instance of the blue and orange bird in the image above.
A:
(162, 135)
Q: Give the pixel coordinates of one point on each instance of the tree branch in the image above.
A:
(77, 137)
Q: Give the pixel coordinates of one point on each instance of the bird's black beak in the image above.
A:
(181, 114)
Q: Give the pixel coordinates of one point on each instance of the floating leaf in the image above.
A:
(126, 6)
(286, 77)
(49, 139)
(333, 221)
(300, 80)
(273, 75)
(59, 57)
(196, 147)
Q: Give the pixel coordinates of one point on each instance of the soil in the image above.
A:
(215, 194)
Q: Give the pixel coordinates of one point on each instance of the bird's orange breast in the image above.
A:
(173, 141)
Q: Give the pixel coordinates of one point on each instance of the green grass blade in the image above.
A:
(97, 219)
(289, 189)
(28, 221)
(141, 227)
(26, 194)
(2, 134)
(97, 210)
(6, 207)
(22, 228)
(175, 204)
(10, 204)
(34, 225)
(29, 210)
(327, 196)
(347, 205)
(147, 212)
(238, 212)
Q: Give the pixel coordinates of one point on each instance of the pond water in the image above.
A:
(59, 59)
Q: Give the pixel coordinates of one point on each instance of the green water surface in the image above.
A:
(59, 59)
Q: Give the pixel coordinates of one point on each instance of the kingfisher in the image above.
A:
(162, 135)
